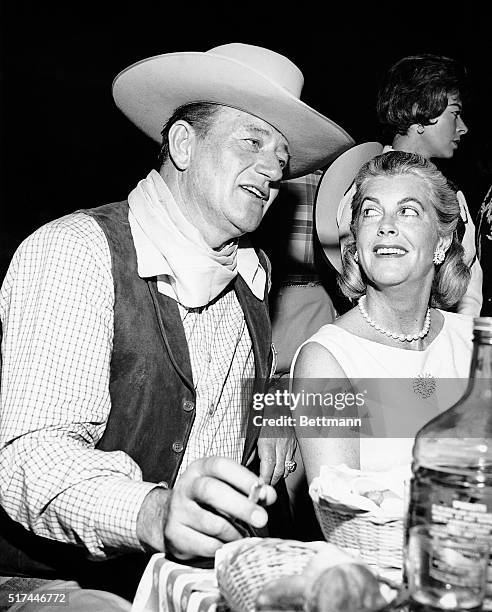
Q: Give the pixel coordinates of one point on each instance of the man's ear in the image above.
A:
(181, 138)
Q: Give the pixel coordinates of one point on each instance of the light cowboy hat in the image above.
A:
(252, 79)
(333, 210)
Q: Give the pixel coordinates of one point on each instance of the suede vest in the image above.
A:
(152, 398)
(151, 383)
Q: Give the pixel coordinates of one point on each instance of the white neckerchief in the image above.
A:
(170, 247)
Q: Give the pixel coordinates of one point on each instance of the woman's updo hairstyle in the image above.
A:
(453, 275)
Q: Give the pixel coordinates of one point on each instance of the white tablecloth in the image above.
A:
(171, 587)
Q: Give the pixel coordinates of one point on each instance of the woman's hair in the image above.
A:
(200, 115)
(453, 275)
(416, 89)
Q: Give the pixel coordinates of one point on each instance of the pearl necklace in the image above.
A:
(396, 336)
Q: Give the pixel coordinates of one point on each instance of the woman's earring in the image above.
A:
(356, 257)
(439, 255)
(420, 129)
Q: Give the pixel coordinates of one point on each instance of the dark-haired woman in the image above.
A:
(420, 107)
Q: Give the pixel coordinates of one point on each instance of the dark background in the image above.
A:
(64, 145)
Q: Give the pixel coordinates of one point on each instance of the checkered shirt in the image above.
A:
(56, 309)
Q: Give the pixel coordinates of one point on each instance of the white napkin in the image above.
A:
(344, 485)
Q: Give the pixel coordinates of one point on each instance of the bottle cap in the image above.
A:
(482, 330)
(482, 324)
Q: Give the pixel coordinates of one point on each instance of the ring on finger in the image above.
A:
(290, 466)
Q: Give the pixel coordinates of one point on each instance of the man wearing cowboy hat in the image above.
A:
(134, 334)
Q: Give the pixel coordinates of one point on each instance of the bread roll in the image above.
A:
(349, 587)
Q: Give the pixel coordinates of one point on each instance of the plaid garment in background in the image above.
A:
(300, 237)
(56, 308)
(299, 303)
(286, 232)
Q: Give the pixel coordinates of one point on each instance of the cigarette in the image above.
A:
(258, 491)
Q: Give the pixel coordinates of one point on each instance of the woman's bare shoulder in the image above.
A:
(350, 321)
(316, 361)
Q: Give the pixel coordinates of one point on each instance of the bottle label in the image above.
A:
(462, 508)
(460, 516)
(449, 566)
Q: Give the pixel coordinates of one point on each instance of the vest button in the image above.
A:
(163, 484)
(188, 405)
(177, 447)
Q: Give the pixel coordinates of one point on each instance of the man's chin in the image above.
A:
(248, 226)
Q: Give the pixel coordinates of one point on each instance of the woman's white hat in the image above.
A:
(333, 211)
(249, 78)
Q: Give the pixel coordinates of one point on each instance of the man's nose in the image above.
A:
(269, 165)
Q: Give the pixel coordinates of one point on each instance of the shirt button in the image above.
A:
(188, 405)
(163, 484)
(177, 447)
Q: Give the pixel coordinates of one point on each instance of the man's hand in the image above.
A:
(273, 453)
(179, 521)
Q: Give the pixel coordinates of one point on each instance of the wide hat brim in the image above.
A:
(149, 91)
(334, 184)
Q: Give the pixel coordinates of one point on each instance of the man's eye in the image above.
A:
(369, 212)
(255, 142)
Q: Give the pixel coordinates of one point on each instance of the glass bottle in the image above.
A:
(451, 485)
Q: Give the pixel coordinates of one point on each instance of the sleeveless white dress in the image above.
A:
(407, 388)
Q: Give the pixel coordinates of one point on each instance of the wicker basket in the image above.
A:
(379, 542)
(243, 572)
